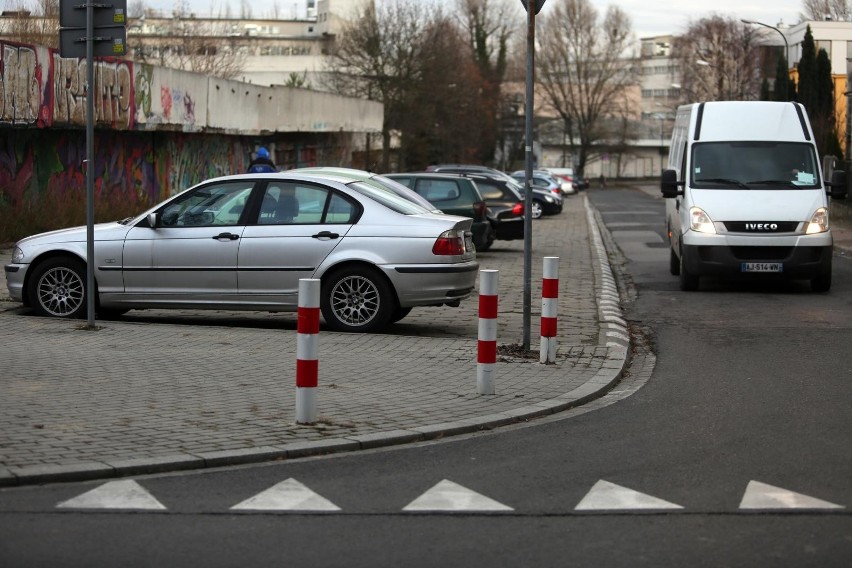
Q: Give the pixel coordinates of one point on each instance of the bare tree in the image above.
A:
(719, 60)
(490, 25)
(818, 10)
(378, 56)
(585, 69)
(445, 109)
(33, 22)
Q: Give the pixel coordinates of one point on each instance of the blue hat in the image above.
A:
(262, 152)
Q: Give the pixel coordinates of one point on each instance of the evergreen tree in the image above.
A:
(824, 112)
(784, 87)
(807, 73)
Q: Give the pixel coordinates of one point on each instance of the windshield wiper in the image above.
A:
(735, 182)
(784, 182)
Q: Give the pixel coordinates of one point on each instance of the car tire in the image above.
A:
(356, 299)
(490, 237)
(537, 209)
(674, 263)
(57, 288)
(688, 282)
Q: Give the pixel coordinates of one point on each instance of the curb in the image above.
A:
(613, 338)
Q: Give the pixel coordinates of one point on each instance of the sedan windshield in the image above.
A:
(754, 165)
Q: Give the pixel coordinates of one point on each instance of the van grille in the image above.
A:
(761, 227)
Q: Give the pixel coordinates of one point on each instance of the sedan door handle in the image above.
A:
(229, 236)
(325, 235)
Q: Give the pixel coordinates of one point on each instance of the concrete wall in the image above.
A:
(157, 130)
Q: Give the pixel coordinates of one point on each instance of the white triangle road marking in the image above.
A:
(449, 496)
(764, 496)
(288, 495)
(122, 494)
(606, 496)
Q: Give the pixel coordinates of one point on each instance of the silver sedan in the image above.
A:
(243, 242)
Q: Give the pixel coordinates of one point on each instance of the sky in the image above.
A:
(649, 17)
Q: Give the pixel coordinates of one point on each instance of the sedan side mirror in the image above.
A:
(669, 184)
(837, 186)
(152, 219)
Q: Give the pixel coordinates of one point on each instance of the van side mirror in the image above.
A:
(837, 186)
(669, 184)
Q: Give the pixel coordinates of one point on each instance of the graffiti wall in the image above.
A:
(157, 130)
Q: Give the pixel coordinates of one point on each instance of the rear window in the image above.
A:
(438, 191)
(389, 200)
(494, 190)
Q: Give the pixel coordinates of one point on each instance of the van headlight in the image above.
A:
(818, 222)
(700, 222)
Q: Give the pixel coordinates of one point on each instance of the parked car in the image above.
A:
(566, 175)
(376, 180)
(544, 180)
(243, 242)
(455, 195)
(464, 169)
(580, 183)
(505, 205)
(543, 202)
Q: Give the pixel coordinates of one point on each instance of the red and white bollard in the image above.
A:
(549, 299)
(307, 343)
(486, 352)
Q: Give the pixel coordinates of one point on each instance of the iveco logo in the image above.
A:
(761, 226)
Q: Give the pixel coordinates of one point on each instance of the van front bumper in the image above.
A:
(798, 262)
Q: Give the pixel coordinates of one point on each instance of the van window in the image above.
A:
(754, 165)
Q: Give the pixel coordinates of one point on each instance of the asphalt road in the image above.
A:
(738, 395)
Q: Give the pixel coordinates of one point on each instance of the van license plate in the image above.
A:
(762, 267)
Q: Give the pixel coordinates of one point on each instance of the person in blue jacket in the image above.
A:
(262, 163)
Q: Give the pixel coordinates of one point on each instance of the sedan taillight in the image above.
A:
(450, 243)
(518, 209)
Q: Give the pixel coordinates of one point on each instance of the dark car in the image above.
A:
(543, 201)
(581, 183)
(505, 205)
(454, 195)
(464, 169)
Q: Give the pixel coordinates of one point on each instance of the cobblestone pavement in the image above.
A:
(159, 391)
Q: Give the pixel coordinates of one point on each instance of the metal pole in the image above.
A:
(528, 177)
(90, 165)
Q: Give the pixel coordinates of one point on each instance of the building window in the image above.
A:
(824, 44)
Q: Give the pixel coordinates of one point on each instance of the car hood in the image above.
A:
(103, 231)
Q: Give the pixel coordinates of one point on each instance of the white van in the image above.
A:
(745, 195)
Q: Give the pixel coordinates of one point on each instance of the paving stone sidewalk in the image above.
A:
(160, 391)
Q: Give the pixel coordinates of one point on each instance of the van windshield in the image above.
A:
(754, 165)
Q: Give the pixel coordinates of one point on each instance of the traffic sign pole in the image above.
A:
(109, 20)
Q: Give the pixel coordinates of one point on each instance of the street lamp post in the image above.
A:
(786, 45)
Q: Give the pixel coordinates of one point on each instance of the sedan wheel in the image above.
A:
(357, 300)
(537, 209)
(58, 288)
